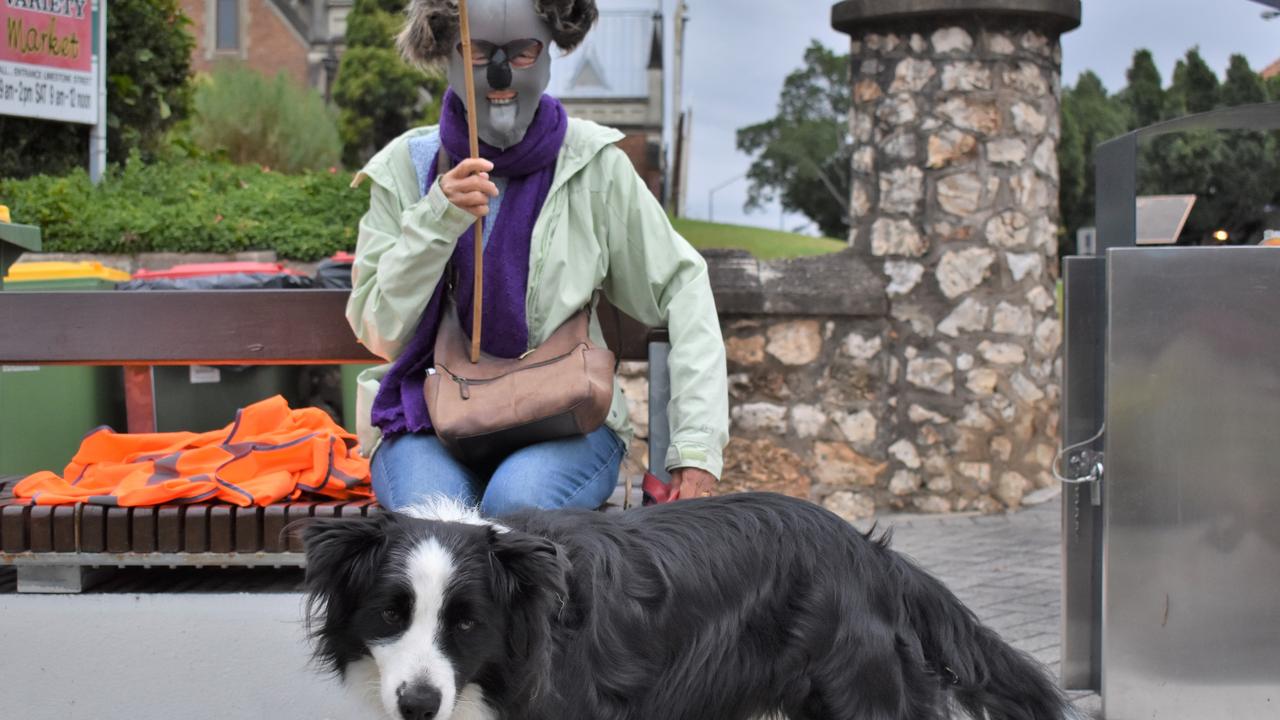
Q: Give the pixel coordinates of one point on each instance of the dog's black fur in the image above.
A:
(712, 609)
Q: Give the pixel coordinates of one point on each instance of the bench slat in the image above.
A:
(297, 511)
(144, 530)
(195, 528)
(207, 327)
(169, 529)
(221, 529)
(274, 518)
(214, 327)
(13, 528)
(41, 524)
(93, 528)
(248, 529)
(64, 528)
(118, 530)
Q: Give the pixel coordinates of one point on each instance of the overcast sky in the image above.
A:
(739, 52)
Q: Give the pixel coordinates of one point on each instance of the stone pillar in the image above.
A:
(955, 124)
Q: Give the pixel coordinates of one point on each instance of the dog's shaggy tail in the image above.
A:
(986, 676)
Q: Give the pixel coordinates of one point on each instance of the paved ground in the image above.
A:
(1007, 568)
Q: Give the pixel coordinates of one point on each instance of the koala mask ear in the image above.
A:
(430, 31)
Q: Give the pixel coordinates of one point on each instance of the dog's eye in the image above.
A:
(391, 616)
(466, 625)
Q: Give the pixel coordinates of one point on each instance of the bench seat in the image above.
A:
(52, 546)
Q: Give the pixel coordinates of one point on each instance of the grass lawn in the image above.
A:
(762, 243)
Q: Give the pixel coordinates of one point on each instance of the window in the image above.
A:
(227, 21)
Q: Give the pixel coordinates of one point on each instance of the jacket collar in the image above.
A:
(392, 167)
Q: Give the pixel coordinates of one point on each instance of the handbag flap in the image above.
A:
(453, 348)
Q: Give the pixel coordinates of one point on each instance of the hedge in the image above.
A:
(191, 206)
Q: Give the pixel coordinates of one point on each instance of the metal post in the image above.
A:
(98, 133)
(659, 420)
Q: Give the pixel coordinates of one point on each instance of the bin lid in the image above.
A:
(60, 270)
(217, 268)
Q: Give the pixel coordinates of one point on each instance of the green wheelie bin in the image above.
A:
(46, 411)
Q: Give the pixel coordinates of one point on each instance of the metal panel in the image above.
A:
(1082, 416)
(659, 420)
(1116, 164)
(1192, 552)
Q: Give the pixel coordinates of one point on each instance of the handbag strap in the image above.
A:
(443, 165)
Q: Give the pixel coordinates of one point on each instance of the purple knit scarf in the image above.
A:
(529, 167)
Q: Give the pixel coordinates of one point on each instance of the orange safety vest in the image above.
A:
(268, 454)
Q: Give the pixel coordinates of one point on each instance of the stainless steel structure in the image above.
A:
(1084, 354)
(1191, 568)
(1171, 594)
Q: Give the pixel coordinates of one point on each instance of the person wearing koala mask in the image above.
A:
(565, 214)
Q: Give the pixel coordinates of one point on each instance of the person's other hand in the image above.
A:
(692, 483)
(468, 186)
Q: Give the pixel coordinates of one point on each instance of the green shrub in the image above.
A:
(378, 94)
(191, 206)
(149, 65)
(255, 119)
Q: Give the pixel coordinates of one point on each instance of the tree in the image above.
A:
(1235, 176)
(1145, 93)
(1195, 86)
(148, 90)
(1089, 117)
(802, 156)
(1243, 86)
(378, 94)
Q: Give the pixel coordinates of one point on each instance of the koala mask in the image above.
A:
(511, 61)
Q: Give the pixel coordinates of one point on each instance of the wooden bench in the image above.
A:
(53, 546)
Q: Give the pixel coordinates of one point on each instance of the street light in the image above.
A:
(711, 196)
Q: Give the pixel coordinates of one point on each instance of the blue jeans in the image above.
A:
(576, 472)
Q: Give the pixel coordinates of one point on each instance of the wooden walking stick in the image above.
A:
(477, 298)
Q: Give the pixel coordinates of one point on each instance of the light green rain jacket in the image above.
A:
(600, 227)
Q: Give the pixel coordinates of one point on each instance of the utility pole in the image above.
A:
(98, 131)
(680, 119)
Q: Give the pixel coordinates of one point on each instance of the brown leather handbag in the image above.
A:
(484, 411)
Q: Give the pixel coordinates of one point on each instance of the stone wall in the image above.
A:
(823, 405)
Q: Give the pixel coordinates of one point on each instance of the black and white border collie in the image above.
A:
(734, 608)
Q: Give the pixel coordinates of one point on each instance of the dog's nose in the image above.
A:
(419, 701)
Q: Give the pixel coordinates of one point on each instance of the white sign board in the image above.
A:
(48, 67)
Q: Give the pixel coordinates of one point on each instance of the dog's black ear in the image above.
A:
(343, 556)
(341, 552)
(530, 564)
(532, 578)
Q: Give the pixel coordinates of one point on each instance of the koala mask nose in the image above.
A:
(500, 70)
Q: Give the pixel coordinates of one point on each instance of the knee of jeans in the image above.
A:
(508, 497)
(381, 481)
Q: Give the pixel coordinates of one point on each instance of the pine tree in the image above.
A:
(1145, 94)
(1090, 118)
(378, 94)
(1202, 90)
(1243, 85)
